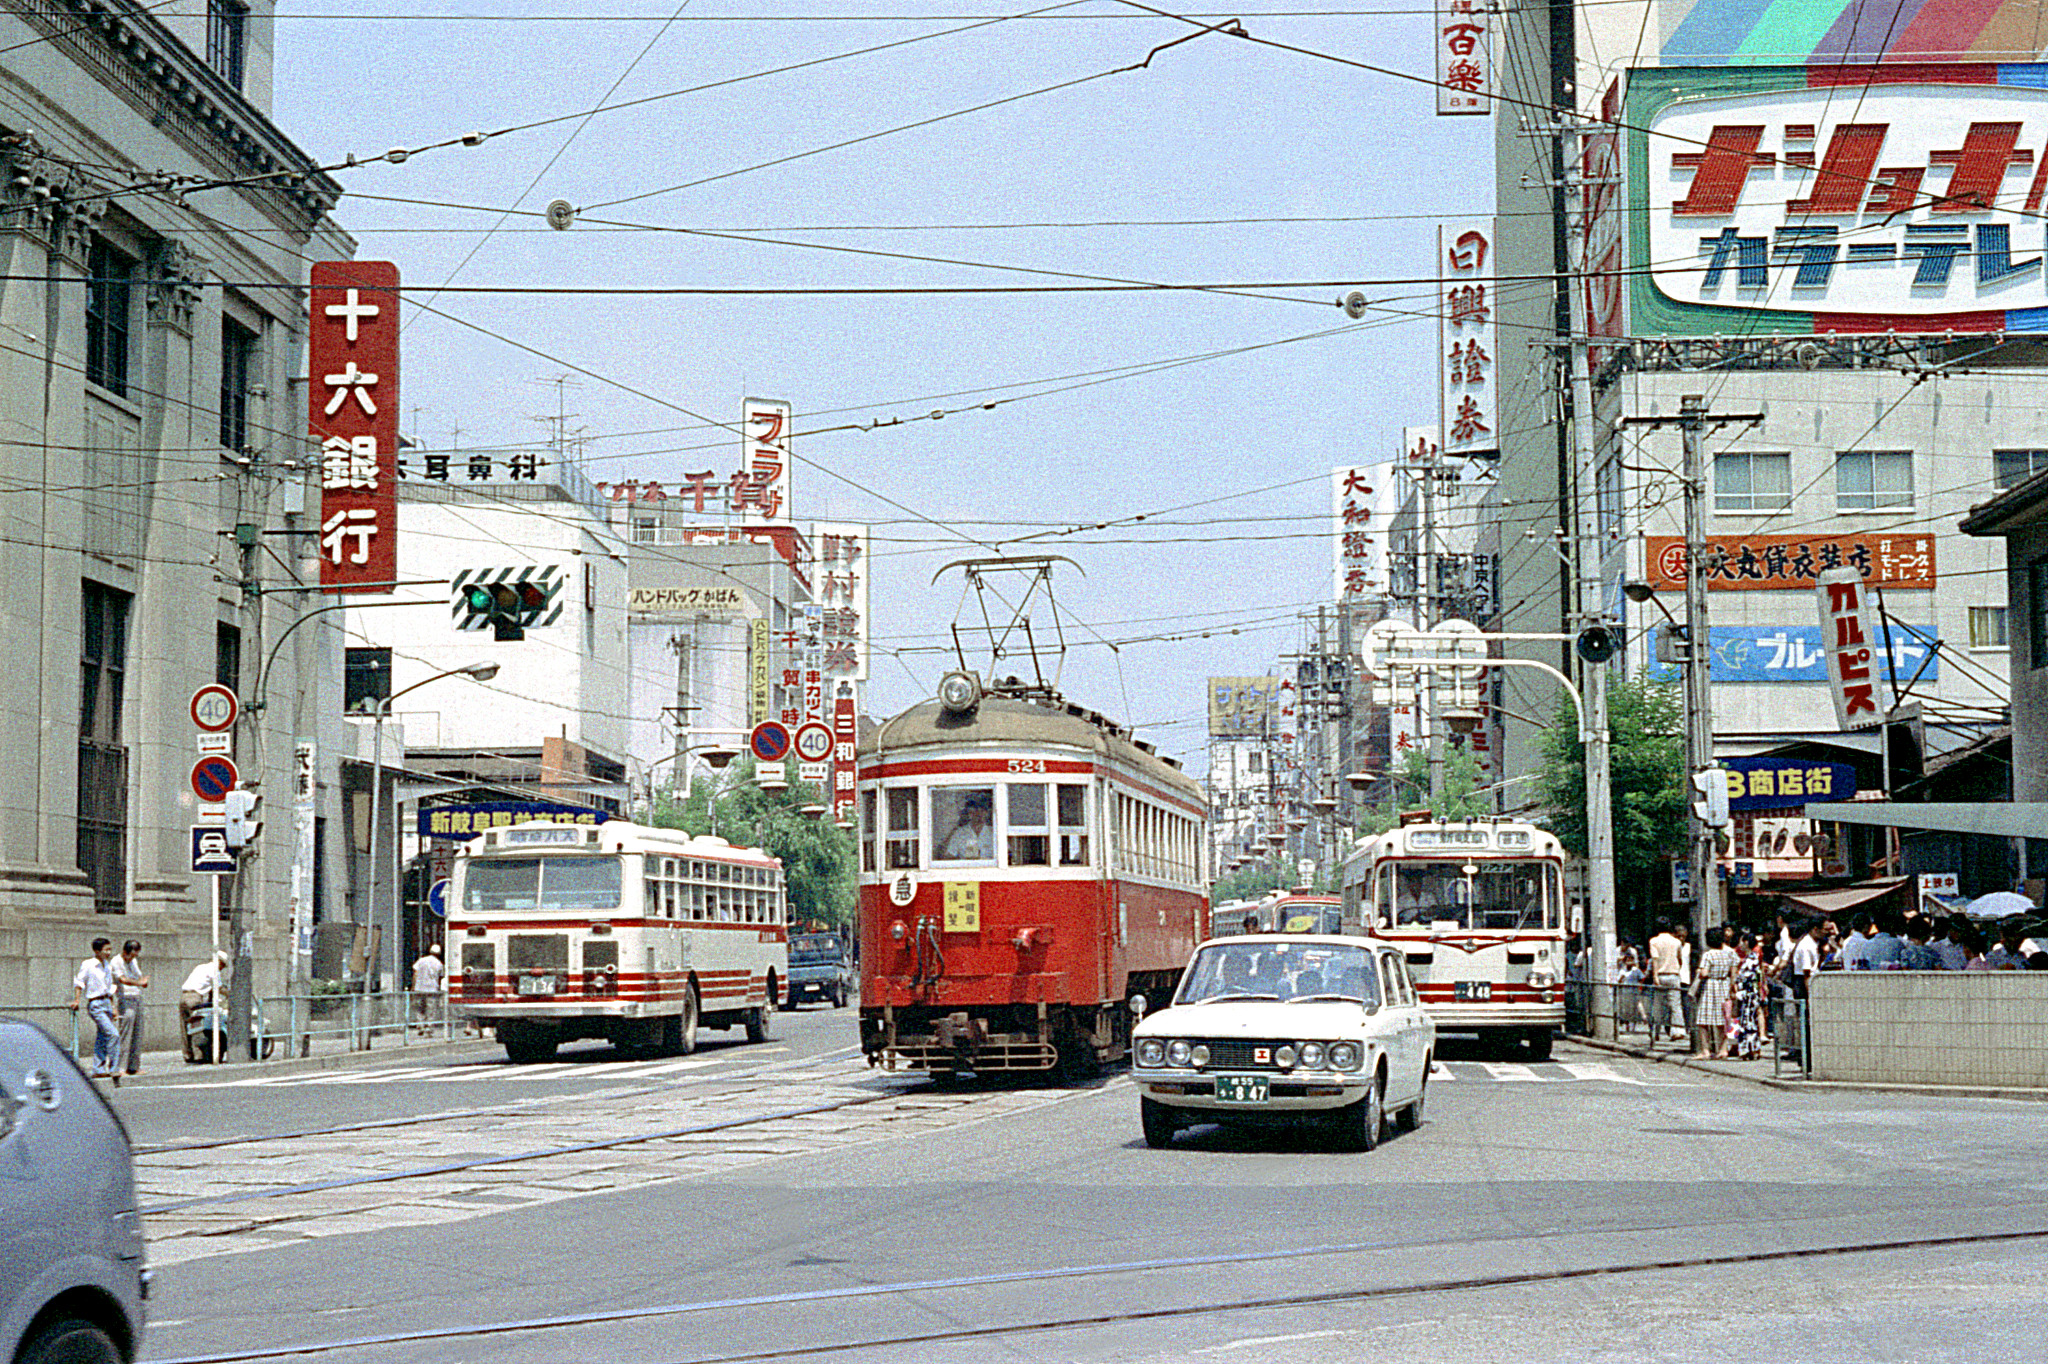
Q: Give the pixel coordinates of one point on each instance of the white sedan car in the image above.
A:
(1272, 1027)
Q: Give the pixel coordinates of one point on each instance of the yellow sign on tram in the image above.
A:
(963, 906)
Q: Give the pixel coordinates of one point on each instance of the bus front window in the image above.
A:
(501, 885)
(1475, 895)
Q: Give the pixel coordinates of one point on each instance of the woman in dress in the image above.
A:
(1746, 1003)
(1717, 975)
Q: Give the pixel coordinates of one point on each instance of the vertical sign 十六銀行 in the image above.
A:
(352, 386)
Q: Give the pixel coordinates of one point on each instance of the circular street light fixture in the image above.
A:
(719, 758)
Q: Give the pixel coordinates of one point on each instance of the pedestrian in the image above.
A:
(1666, 979)
(199, 990)
(427, 974)
(2011, 952)
(1251, 922)
(1885, 947)
(1954, 955)
(1919, 954)
(1745, 1003)
(130, 981)
(1628, 995)
(1858, 944)
(1973, 945)
(1688, 977)
(1717, 976)
(93, 986)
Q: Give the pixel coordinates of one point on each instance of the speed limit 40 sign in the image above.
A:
(214, 708)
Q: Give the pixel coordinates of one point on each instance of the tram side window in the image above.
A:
(901, 840)
(963, 828)
(1030, 844)
(653, 895)
(1073, 826)
(869, 833)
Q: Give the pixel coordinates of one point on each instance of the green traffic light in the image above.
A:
(478, 598)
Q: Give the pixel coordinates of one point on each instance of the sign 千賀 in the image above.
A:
(1855, 662)
(352, 386)
(1788, 563)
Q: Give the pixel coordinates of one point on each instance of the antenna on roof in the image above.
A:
(1037, 570)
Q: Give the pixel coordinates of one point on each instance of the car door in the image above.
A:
(1394, 1027)
(1401, 999)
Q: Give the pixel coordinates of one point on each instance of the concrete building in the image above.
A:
(151, 424)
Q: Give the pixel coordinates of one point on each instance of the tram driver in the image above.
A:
(974, 838)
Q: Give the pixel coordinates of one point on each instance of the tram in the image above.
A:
(1026, 868)
(615, 930)
(1479, 909)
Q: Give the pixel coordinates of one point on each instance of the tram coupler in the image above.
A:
(958, 1032)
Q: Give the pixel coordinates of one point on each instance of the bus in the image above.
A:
(1282, 911)
(634, 934)
(1479, 910)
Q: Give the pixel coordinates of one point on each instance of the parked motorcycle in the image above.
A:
(200, 1032)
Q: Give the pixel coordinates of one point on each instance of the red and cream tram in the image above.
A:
(1479, 909)
(1026, 867)
(616, 930)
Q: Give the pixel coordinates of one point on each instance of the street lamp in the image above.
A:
(381, 708)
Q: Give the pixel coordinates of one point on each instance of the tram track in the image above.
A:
(1357, 1293)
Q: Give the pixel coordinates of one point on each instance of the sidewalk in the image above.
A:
(1759, 1072)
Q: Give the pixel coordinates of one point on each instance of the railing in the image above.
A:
(282, 1026)
(1649, 1015)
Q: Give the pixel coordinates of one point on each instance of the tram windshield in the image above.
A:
(1471, 895)
(499, 885)
(1286, 971)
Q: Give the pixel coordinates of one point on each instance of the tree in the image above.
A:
(817, 855)
(1647, 771)
(1408, 789)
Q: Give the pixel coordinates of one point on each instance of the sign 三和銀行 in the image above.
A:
(1785, 563)
(352, 386)
(1914, 206)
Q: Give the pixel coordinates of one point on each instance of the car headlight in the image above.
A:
(1151, 1051)
(1201, 1055)
(1284, 1058)
(1177, 1052)
(1345, 1056)
(1311, 1056)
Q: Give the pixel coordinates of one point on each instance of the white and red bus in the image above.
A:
(639, 935)
(1026, 867)
(1479, 910)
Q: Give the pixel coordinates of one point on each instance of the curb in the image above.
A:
(188, 1073)
(1808, 1086)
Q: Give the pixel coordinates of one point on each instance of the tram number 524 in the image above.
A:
(1027, 764)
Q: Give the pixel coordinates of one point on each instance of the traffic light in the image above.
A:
(244, 818)
(533, 599)
(1598, 643)
(510, 609)
(1712, 806)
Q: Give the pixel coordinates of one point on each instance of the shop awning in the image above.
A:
(1835, 901)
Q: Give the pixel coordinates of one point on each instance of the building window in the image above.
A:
(2010, 468)
(366, 678)
(1750, 481)
(227, 656)
(237, 371)
(1873, 480)
(227, 31)
(1987, 627)
(109, 274)
(102, 758)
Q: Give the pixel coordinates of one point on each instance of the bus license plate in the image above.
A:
(1241, 1089)
(536, 985)
(1475, 989)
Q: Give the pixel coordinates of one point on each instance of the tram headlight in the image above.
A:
(1345, 1056)
(1542, 979)
(897, 930)
(1178, 1053)
(1284, 1057)
(959, 692)
(1311, 1056)
(1151, 1051)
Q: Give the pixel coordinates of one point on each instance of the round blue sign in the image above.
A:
(437, 898)
(770, 741)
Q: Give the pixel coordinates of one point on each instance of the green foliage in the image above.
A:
(1408, 789)
(1647, 767)
(817, 855)
(1250, 882)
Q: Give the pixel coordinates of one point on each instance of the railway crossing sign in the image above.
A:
(814, 742)
(770, 741)
(214, 708)
(213, 776)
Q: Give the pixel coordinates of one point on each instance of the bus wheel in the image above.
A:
(686, 1026)
(1539, 1044)
(757, 1024)
(526, 1044)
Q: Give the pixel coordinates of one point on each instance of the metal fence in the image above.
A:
(1650, 1016)
(282, 1025)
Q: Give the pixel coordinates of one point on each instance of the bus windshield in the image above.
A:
(1265, 969)
(575, 885)
(1473, 895)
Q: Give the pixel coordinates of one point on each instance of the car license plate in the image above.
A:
(1241, 1089)
(536, 985)
(1475, 989)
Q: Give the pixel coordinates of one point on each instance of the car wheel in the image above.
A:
(1159, 1123)
(839, 996)
(1540, 1040)
(1359, 1126)
(70, 1341)
(1410, 1117)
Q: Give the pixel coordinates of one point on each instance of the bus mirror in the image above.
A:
(1138, 1006)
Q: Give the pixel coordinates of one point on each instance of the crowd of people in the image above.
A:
(1726, 999)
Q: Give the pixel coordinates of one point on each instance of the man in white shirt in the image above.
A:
(1806, 958)
(1667, 956)
(130, 981)
(198, 990)
(93, 986)
(974, 840)
(427, 975)
(1856, 946)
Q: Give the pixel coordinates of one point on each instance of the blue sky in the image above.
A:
(1215, 128)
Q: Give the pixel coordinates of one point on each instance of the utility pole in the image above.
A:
(1426, 609)
(248, 879)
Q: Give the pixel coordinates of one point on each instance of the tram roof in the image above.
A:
(1008, 720)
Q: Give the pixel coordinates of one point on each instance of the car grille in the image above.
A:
(1235, 1054)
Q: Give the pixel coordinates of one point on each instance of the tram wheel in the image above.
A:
(1540, 1041)
(528, 1045)
(686, 1026)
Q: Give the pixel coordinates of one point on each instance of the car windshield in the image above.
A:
(814, 947)
(1260, 968)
